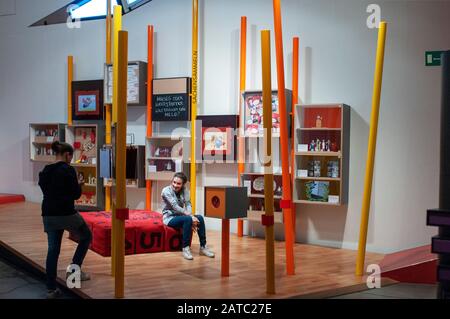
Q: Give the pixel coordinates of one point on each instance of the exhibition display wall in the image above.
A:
(337, 53)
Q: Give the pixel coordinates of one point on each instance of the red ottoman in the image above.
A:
(89, 218)
(149, 231)
(173, 240)
(101, 243)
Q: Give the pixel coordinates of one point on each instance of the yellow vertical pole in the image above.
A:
(194, 102)
(268, 170)
(108, 106)
(69, 88)
(371, 149)
(117, 28)
(287, 194)
(241, 139)
(121, 140)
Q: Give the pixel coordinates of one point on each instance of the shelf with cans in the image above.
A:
(321, 154)
(42, 135)
(86, 139)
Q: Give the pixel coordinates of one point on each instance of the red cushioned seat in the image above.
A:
(150, 231)
(173, 240)
(101, 243)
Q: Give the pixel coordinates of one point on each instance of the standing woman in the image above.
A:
(60, 186)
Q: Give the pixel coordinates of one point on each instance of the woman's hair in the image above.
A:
(181, 176)
(60, 148)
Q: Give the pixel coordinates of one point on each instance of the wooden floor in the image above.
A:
(167, 275)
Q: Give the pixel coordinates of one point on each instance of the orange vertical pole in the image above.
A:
(287, 196)
(295, 62)
(267, 219)
(241, 140)
(150, 31)
(69, 88)
(225, 269)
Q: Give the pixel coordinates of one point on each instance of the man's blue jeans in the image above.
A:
(54, 248)
(185, 222)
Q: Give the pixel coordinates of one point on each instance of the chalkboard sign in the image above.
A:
(171, 100)
(170, 107)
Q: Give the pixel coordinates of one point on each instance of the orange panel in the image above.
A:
(215, 203)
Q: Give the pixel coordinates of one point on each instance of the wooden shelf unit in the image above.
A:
(174, 158)
(324, 122)
(79, 136)
(42, 135)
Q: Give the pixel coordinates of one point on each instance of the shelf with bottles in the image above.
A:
(85, 139)
(164, 156)
(42, 135)
(321, 154)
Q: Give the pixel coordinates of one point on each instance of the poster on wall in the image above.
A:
(171, 100)
(254, 113)
(87, 100)
(136, 86)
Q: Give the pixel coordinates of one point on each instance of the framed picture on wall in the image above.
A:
(217, 140)
(87, 100)
(253, 115)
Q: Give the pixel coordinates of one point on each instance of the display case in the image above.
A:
(165, 156)
(42, 135)
(86, 140)
(321, 154)
(252, 121)
(136, 88)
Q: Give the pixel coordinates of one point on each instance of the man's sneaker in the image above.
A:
(187, 253)
(206, 252)
(54, 294)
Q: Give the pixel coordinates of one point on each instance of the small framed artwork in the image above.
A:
(87, 100)
(217, 140)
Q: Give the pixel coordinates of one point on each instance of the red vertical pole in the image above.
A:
(225, 248)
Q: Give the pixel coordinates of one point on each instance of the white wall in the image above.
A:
(337, 53)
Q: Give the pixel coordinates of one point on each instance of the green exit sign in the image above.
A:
(433, 58)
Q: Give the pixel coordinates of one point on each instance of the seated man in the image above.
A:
(177, 213)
